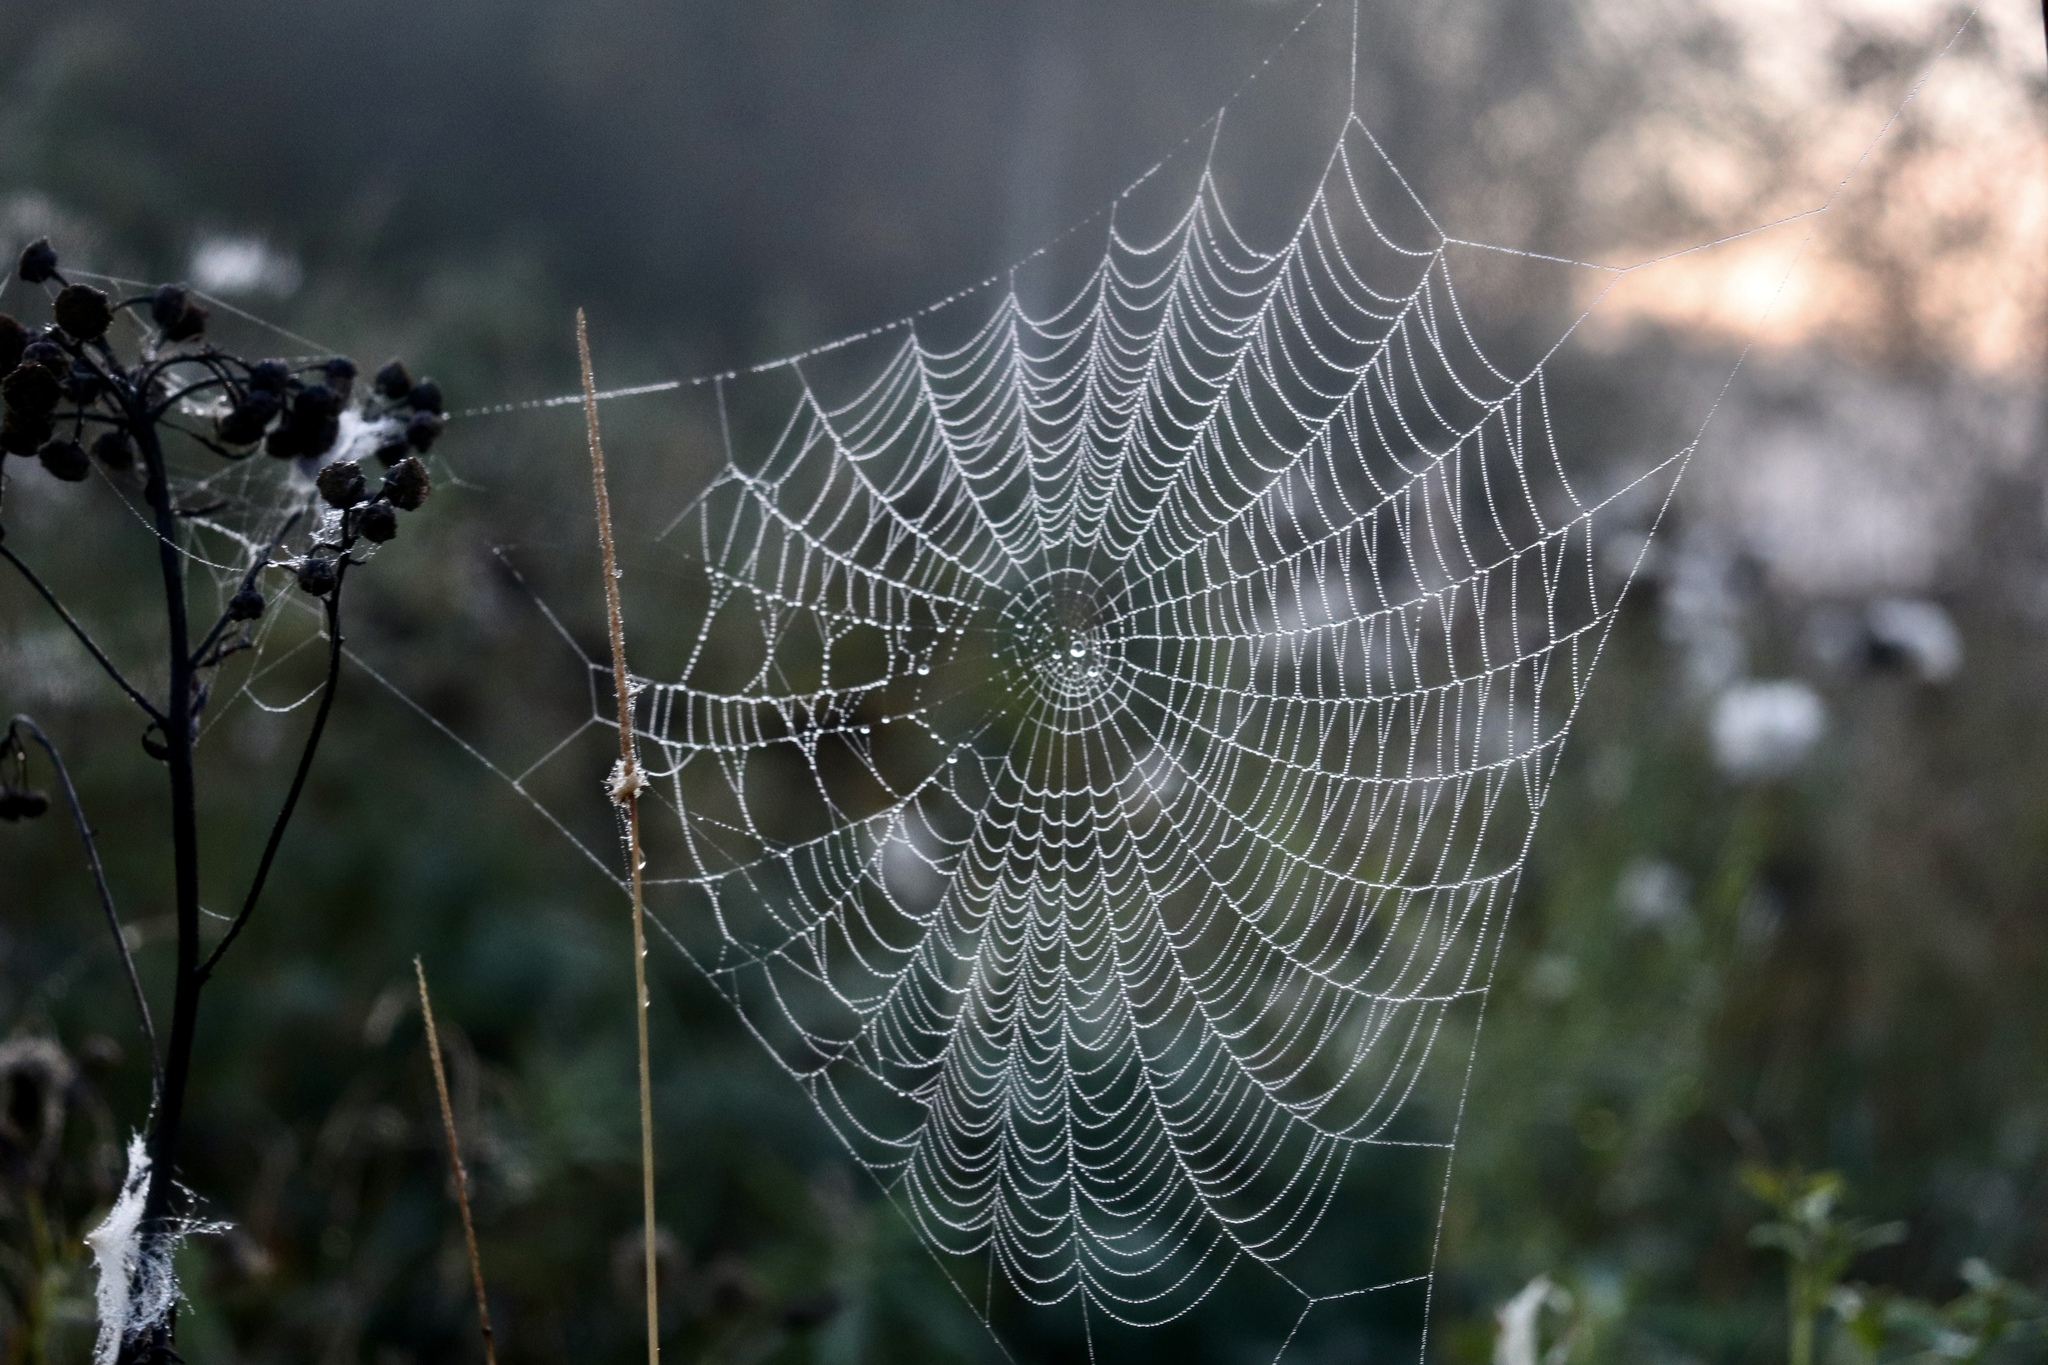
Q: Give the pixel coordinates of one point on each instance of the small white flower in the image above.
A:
(1654, 894)
(1765, 729)
(239, 264)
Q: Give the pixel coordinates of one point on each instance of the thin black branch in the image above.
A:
(212, 445)
(160, 364)
(291, 800)
(85, 639)
(216, 381)
(163, 1195)
(215, 365)
(99, 881)
(78, 352)
(227, 650)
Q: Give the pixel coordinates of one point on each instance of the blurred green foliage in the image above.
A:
(1819, 1245)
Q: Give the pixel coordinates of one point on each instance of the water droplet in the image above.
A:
(923, 669)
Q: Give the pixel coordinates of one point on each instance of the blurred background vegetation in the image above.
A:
(1789, 902)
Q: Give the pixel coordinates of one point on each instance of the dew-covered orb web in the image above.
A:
(1108, 742)
(1106, 732)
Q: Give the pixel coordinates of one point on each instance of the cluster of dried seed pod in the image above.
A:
(300, 414)
(55, 381)
(365, 515)
(71, 401)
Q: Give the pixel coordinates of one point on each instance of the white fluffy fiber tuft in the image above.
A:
(138, 1283)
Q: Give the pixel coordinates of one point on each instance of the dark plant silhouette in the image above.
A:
(74, 399)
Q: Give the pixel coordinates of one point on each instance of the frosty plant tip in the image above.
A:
(267, 481)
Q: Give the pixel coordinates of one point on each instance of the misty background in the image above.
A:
(1789, 901)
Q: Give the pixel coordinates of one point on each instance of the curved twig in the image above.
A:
(83, 638)
(215, 446)
(216, 367)
(291, 800)
(99, 881)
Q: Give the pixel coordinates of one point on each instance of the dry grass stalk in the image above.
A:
(476, 1263)
(625, 793)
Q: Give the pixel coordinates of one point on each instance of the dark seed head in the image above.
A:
(341, 373)
(426, 397)
(269, 376)
(175, 314)
(191, 323)
(38, 261)
(423, 430)
(22, 434)
(13, 341)
(83, 311)
(341, 484)
(244, 423)
(394, 381)
(245, 605)
(262, 403)
(393, 450)
(16, 804)
(377, 523)
(321, 436)
(168, 304)
(65, 459)
(310, 424)
(317, 398)
(48, 355)
(31, 391)
(317, 575)
(407, 485)
(113, 449)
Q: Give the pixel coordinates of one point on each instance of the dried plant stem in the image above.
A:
(476, 1263)
(27, 725)
(625, 793)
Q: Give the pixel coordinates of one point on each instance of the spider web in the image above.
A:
(1109, 738)
(1111, 741)
(1109, 735)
